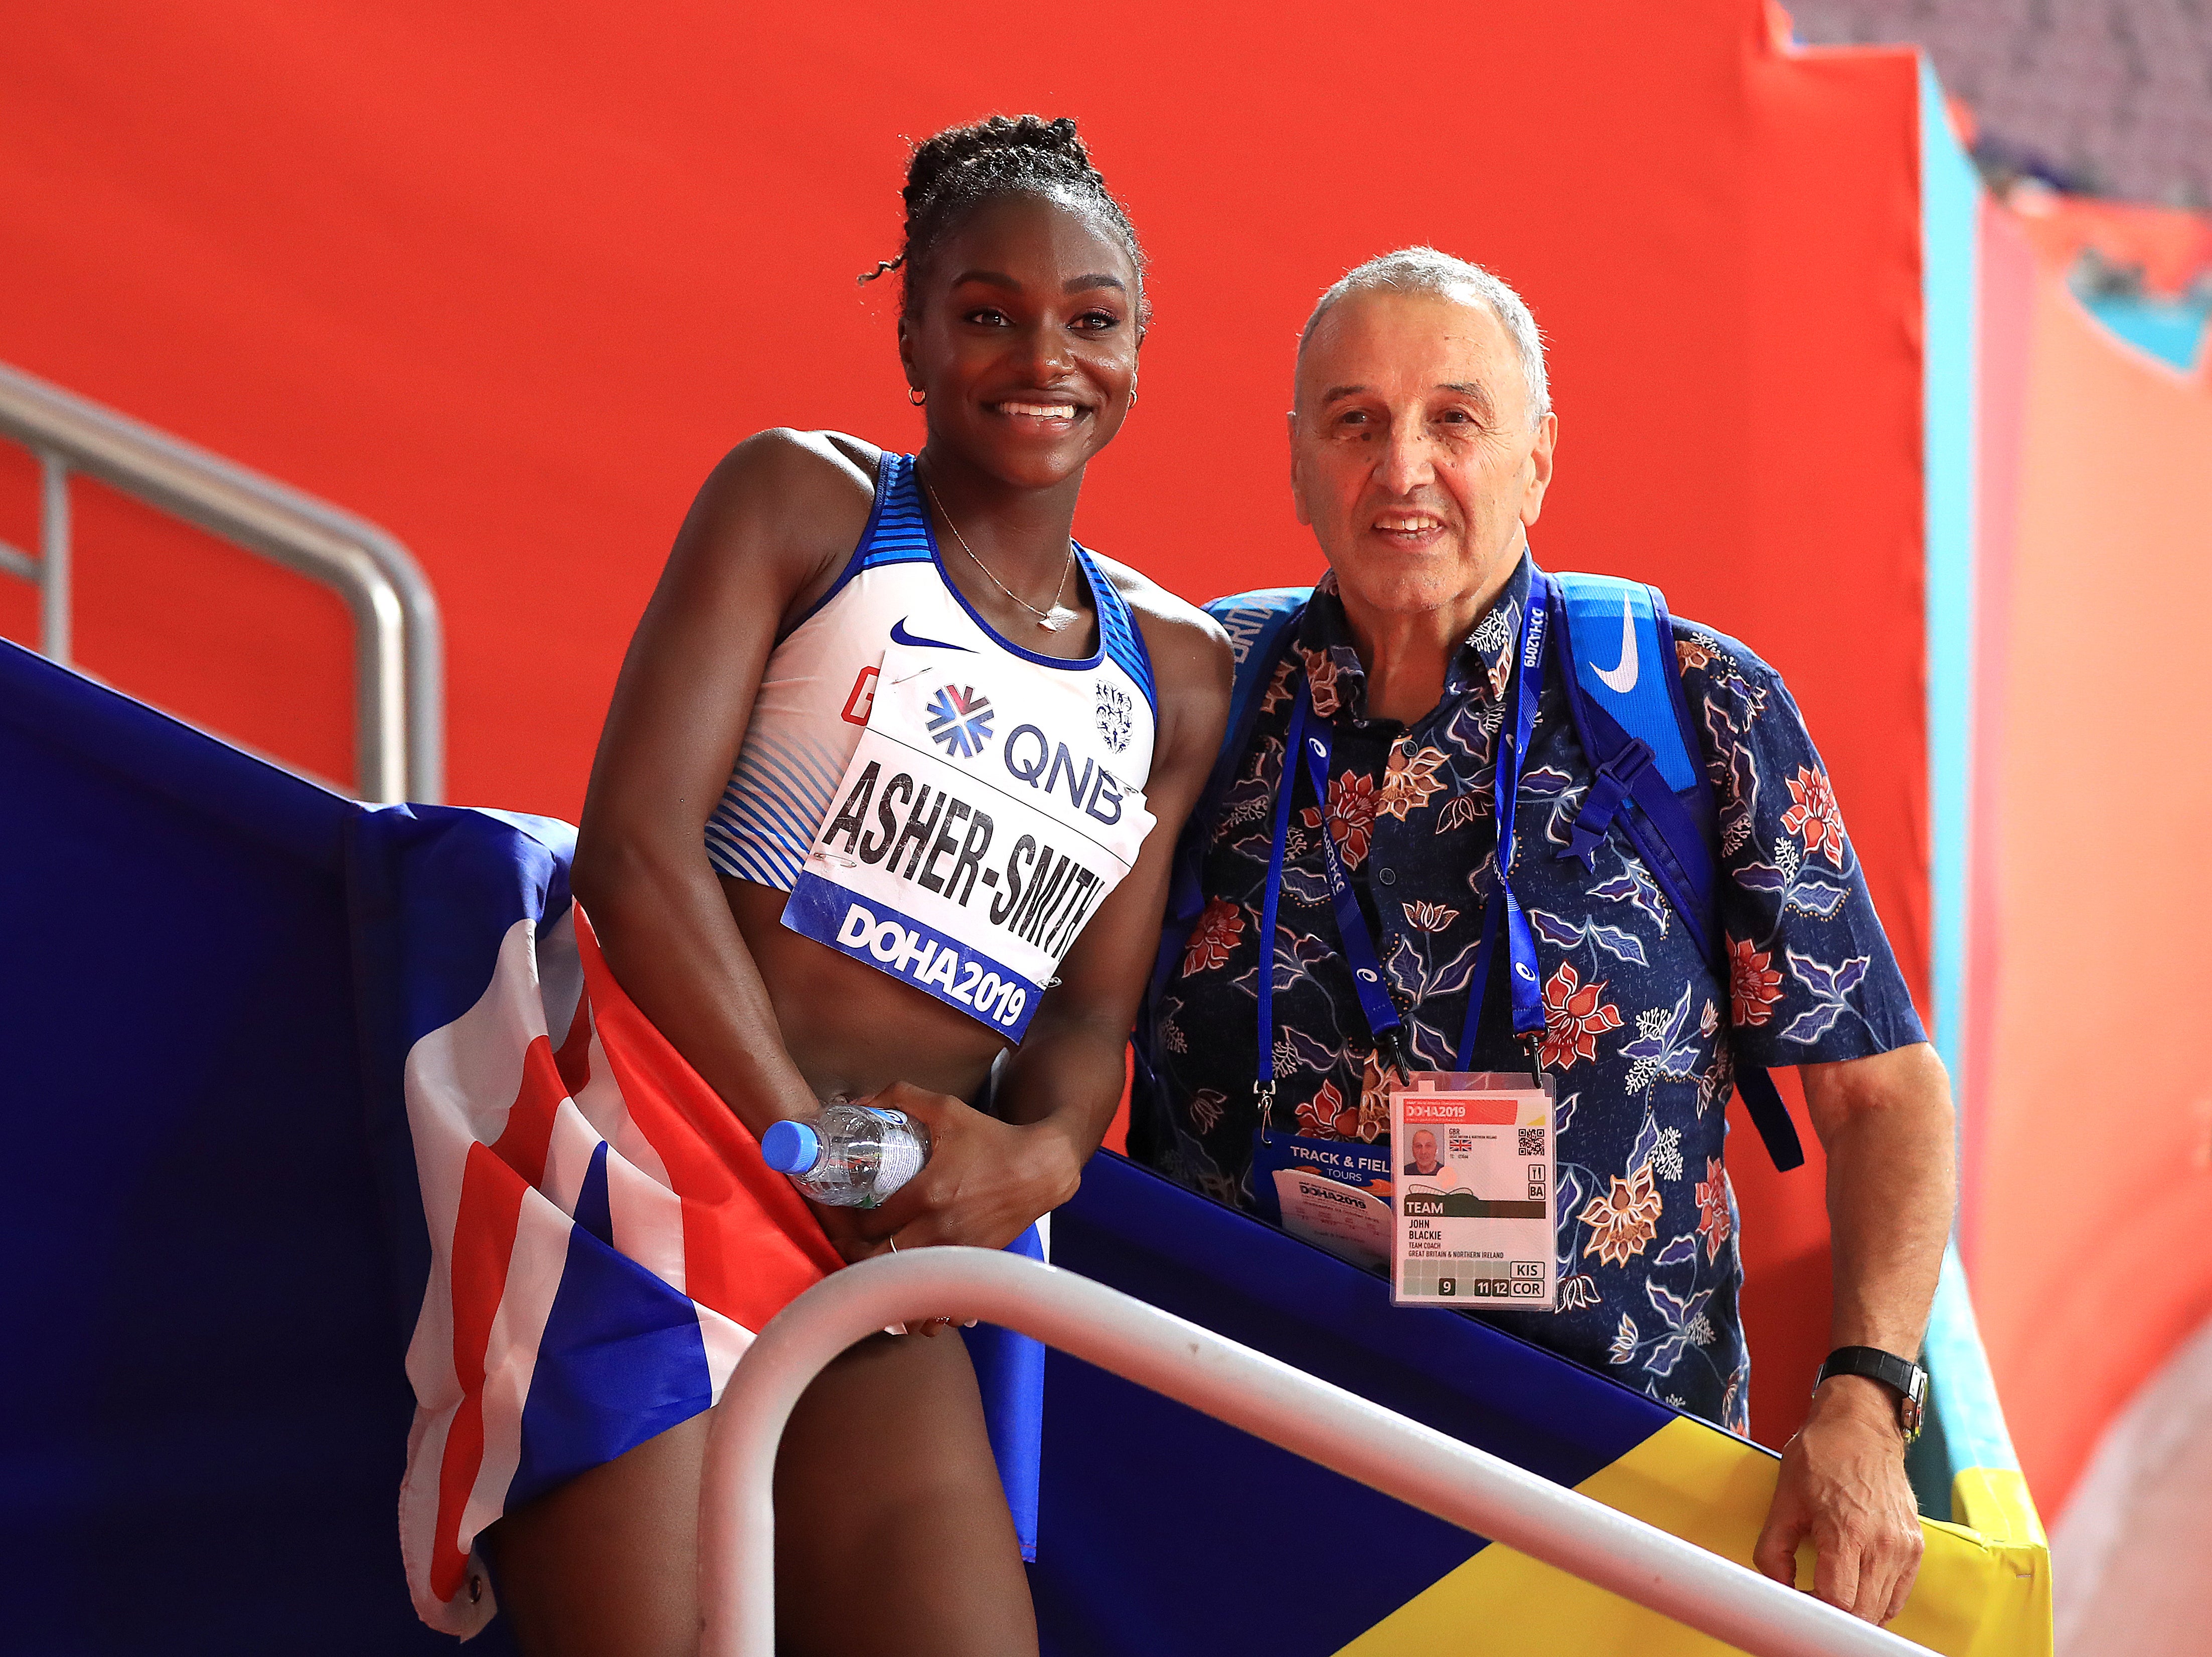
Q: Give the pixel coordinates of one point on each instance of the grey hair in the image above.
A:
(1427, 270)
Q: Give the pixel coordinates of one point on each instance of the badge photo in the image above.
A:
(1474, 1173)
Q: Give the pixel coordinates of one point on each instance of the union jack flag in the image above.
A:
(603, 1237)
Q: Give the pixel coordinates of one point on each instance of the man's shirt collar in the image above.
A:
(1482, 665)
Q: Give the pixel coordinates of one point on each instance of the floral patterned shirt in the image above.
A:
(1639, 1037)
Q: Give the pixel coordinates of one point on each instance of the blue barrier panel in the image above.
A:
(205, 1378)
(1164, 1531)
(208, 1412)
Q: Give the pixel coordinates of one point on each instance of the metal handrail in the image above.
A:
(399, 713)
(1339, 1429)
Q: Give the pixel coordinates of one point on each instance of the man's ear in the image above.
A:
(1539, 469)
(1297, 488)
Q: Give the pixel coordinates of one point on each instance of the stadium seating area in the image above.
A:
(2106, 97)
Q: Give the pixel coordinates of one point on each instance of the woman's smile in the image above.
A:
(1044, 417)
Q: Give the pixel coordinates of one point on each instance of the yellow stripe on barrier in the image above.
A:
(1994, 1502)
(1976, 1597)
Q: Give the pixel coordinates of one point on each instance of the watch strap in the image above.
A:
(1901, 1376)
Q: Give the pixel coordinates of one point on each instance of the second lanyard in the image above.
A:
(1312, 738)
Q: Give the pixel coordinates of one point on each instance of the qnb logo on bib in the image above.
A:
(960, 720)
(965, 875)
(1034, 759)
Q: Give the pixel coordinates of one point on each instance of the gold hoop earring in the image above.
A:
(1133, 394)
(916, 395)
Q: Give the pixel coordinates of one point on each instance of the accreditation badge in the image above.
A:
(1474, 1174)
(1335, 1194)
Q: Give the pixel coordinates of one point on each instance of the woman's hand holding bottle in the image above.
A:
(982, 1184)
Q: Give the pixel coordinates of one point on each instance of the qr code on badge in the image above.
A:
(1532, 1142)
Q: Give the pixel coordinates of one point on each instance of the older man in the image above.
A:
(1421, 450)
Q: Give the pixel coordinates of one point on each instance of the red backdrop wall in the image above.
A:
(2091, 1148)
(511, 287)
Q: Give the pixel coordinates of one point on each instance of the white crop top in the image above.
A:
(997, 795)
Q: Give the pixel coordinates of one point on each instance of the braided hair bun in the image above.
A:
(952, 172)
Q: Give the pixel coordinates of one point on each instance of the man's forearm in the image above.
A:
(1887, 1124)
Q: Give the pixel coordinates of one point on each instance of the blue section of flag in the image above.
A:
(1168, 1532)
(621, 1361)
(594, 1213)
(447, 882)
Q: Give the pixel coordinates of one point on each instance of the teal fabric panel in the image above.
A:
(2171, 330)
(1965, 1394)
(1950, 193)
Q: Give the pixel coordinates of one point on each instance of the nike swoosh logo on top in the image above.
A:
(901, 636)
(1619, 680)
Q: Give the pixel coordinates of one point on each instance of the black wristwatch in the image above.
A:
(1902, 1376)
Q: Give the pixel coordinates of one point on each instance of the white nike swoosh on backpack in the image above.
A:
(1622, 679)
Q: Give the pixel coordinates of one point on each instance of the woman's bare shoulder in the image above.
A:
(1176, 630)
(785, 478)
(785, 506)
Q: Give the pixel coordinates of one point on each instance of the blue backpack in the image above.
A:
(1637, 734)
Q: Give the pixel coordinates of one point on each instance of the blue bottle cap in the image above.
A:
(791, 1147)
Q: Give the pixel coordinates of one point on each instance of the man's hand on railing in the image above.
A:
(1842, 1485)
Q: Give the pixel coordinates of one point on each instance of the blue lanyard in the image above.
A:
(1313, 738)
(1525, 980)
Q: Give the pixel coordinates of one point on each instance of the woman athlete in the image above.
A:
(815, 576)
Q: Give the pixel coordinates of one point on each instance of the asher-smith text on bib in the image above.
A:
(979, 825)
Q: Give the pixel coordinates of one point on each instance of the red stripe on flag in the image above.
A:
(493, 1182)
(521, 1143)
(483, 1240)
(750, 1243)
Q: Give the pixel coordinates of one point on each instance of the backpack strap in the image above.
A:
(1623, 685)
(1258, 624)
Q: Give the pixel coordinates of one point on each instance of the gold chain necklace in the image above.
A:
(1058, 616)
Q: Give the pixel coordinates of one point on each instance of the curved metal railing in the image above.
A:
(1340, 1430)
(400, 715)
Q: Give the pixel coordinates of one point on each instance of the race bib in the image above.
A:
(1475, 1175)
(979, 826)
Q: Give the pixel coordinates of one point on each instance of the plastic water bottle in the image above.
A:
(850, 1156)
